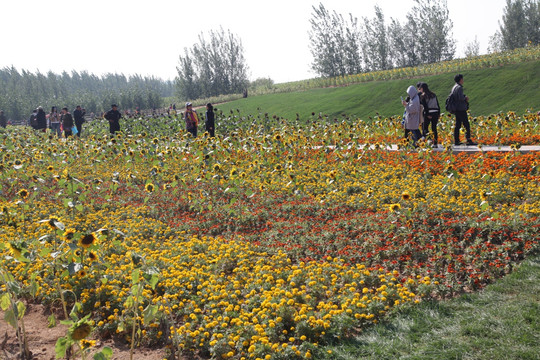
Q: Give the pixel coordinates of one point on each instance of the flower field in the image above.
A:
(267, 242)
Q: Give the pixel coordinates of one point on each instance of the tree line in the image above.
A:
(346, 46)
(22, 91)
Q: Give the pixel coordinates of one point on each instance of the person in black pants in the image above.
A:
(192, 120)
(209, 120)
(432, 111)
(113, 116)
(78, 116)
(462, 105)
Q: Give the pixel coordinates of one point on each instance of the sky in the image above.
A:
(147, 37)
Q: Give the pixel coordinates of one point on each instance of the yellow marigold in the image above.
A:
(86, 344)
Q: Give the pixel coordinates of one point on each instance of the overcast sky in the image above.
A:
(146, 37)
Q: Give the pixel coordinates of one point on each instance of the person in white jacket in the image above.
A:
(412, 115)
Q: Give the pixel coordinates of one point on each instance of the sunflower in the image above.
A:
(23, 193)
(216, 167)
(68, 234)
(92, 256)
(405, 196)
(332, 174)
(483, 195)
(53, 222)
(15, 250)
(66, 175)
(88, 240)
(149, 187)
(81, 331)
(395, 207)
(50, 168)
(233, 172)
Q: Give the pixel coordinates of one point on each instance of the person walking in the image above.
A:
(67, 122)
(78, 116)
(54, 119)
(432, 112)
(209, 120)
(32, 121)
(41, 118)
(462, 105)
(412, 115)
(192, 121)
(3, 119)
(113, 116)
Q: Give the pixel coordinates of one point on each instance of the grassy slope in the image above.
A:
(500, 322)
(511, 87)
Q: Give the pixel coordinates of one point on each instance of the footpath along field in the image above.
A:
(262, 243)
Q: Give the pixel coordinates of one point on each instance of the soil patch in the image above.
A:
(42, 339)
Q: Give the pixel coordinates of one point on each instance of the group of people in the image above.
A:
(422, 96)
(192, 120)
(415, 123)
(68, 124)
(59, 122)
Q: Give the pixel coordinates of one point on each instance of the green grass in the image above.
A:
(511, 87)
(500, 322)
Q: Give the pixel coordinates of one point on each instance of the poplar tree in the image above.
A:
(334, 43)
(212, 67)
(520, 24)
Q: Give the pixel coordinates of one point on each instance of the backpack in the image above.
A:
(432, 103)
(451, 105)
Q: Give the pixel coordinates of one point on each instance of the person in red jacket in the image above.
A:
(192, 121)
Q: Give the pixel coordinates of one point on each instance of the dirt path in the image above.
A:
(42, 339)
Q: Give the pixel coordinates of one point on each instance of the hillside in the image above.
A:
(509, 87)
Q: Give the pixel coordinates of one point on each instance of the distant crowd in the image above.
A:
(66, 124)
(422, 112)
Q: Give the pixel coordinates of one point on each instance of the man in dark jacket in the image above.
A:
(113, 116)
(462, 105)
(41, 118)
(67, 122)
(209, 120)
(78, 116)
(32, 121)
(3, 120)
